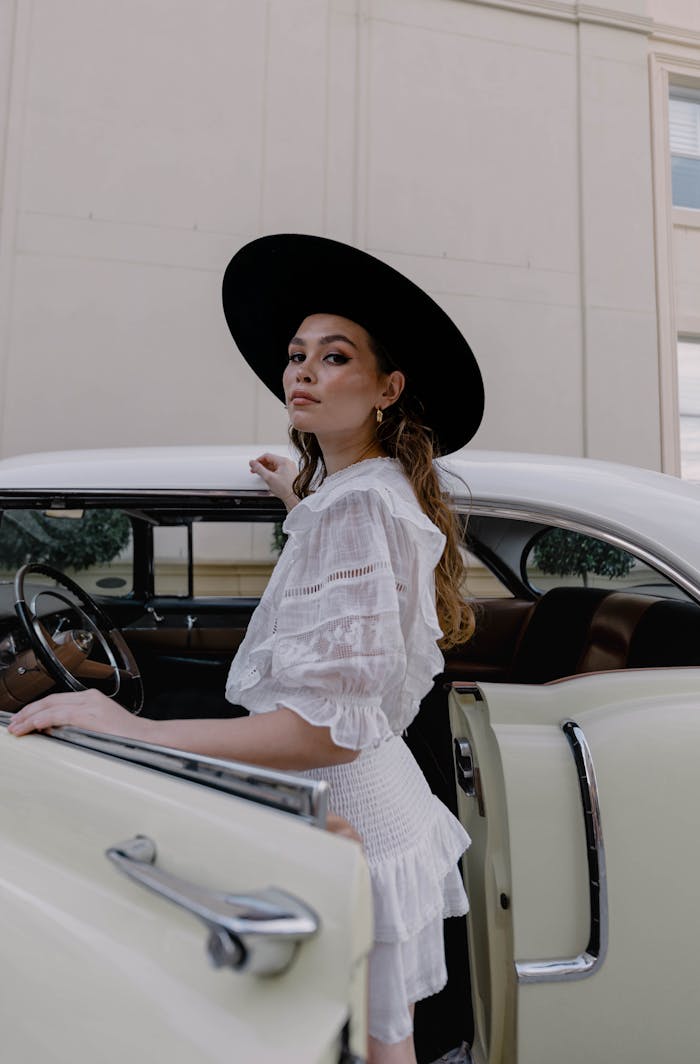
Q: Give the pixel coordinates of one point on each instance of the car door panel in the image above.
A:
(95, 967)
(528, 868)
(175, 659)
(184, 649)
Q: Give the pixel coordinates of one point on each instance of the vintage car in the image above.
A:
(155, 904)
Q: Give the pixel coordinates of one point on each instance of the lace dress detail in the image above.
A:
(346, 636)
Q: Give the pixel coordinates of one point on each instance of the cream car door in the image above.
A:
(581, 800)
(108, 945)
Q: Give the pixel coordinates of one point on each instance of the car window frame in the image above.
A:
(613, 584)
(217, 504)
(261, 505)
(668, 565)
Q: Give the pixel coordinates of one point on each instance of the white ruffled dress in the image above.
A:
(345, 635)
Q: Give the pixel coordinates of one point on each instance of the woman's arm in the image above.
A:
(278, 739)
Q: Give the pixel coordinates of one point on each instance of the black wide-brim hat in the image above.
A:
(273, 283)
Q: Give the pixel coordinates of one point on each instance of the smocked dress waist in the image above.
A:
(412, 842)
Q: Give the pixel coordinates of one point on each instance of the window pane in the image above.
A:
(684, 124)
(684, 135)
(558, 557)
(93, 547)
(233, 558)
(685, 179)
(170, 560)
(689, 406)
(481, 583)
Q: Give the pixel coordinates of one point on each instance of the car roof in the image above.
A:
(138, 468)
(652, 508)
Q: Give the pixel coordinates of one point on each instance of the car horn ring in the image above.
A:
(89, 623)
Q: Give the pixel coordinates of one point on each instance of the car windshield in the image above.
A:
(95, 547)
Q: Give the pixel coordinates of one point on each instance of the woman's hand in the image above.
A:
(339, 826)
(81, 709)
(279, 474)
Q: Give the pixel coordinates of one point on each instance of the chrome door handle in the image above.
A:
(258, 932)
(468, 774)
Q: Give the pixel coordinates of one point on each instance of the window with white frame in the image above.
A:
(684, 133)
(689, 405)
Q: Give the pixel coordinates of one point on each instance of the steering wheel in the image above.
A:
(121, 668)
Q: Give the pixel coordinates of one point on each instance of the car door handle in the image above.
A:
(258, 932)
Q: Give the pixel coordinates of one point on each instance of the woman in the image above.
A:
(344, 643)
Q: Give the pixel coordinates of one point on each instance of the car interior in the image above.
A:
(550, 604)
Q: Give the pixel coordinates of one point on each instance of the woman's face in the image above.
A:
(332, 383)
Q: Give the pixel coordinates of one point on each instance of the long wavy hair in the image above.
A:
(403, 435)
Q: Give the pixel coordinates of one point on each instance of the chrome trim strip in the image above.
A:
(608, 533)
(304, 798)
(256, 505)
(591, 959)
(165, 493)
(462, 688)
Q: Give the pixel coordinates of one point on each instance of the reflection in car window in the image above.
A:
(558, 557)
(93, 547)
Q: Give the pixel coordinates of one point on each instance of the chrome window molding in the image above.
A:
(307, 799)
(240, 501)
(590, 960)
(609, 534)
(69, 494)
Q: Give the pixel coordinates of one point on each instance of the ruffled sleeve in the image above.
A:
(338, 647)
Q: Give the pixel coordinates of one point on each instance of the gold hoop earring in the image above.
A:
(380, 415)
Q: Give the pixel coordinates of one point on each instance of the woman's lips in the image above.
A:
(302, 400)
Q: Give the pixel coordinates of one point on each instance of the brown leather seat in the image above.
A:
(611, 631)
(554, 640)
(581, 630)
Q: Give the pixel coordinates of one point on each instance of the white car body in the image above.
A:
(95, 968)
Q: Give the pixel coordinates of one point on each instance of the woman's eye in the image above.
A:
(296, 356)
(337, 358)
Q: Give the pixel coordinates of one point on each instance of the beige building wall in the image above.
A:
(508, 155)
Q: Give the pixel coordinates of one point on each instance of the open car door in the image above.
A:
(584, 868)
(161, 906)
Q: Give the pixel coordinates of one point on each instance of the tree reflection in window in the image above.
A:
(563, 553)
(94, 537)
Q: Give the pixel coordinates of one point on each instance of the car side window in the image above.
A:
(233, 559)
(229, 559)
(92, 546)
(559, 557)
(481, 582)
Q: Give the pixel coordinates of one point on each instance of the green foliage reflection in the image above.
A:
(30, 536)
(565, 553)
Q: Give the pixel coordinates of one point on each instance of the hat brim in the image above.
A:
(273, 283)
